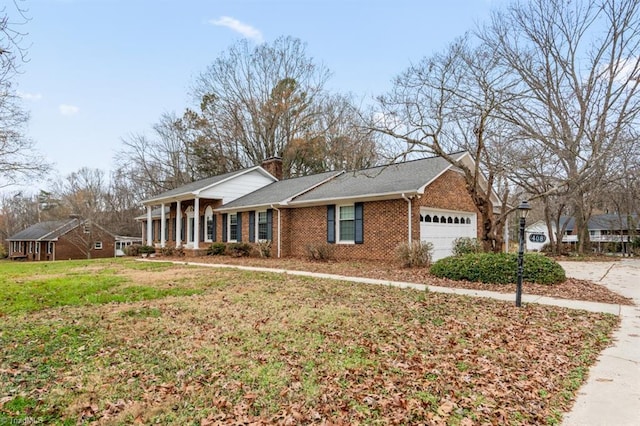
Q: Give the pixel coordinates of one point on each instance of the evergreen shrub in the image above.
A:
(499, 268)
(217, 249)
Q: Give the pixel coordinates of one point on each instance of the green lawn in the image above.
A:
(118, 341)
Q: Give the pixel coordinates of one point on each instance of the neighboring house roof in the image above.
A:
(46, 231)
(410, 177)
(194, 188)
(50, 230)
(279, 193)
(609, 221)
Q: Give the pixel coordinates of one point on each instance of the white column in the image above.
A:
(196, 223)
(149, 225)
(163, 226)
(178, 224)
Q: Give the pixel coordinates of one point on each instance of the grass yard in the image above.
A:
(120, 342)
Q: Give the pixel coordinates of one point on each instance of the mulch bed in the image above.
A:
(573, 289)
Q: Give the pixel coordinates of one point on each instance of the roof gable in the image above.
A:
(199, 186)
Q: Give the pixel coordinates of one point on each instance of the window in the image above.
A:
(233, 227)
(30, 246)
(50, 247)
(97, 245)
(209, 225)
(262, 226)
(427, 218)
(346, 224)
(37, 247)
(456, 220)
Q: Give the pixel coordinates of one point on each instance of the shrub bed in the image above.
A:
(499, 268)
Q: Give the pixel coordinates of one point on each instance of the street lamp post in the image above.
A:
(523, 210)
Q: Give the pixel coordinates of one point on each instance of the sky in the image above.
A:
(99, 71)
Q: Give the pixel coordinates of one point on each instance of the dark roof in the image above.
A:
(408, 177)
(280, 191)
(45, 231)
(609, 221)
(198, 185)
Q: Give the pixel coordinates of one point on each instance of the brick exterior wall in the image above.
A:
(69, 245)
(448, 192)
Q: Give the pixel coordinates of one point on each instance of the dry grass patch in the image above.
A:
(266, 348)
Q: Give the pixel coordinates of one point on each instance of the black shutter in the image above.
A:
(269, 224)
(173, 229)
(183, 229)
(201, 224)
(224, 227)
(331, 223)
(359, 223)
(252, 226)
(239, 226)
(215, 230)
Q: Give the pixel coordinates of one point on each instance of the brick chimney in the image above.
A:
(274, 166)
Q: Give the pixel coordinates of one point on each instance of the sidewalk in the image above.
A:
(611, 395)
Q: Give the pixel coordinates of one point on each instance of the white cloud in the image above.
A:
(30, 96)
(68, 109)
(625, 70)
(246, 30)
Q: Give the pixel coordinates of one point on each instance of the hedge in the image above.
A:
(499, 268)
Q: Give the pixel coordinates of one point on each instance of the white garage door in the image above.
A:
(442, 227)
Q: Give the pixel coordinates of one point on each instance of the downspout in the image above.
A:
(279, 223)
(408, 200)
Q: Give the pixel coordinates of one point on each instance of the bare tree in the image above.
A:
(256, 100)
(448, 103)
(336, 140)
(159, 162)
(577, 65)
(18, 158)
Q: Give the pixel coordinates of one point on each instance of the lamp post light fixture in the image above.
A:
(523, 211)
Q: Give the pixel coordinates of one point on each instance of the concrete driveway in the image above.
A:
(611, 395)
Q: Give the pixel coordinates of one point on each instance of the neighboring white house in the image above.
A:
(604, 228)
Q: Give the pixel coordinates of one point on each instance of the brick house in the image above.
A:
(363, 214)
(73, 238)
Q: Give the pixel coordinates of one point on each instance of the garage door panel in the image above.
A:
(442, 234)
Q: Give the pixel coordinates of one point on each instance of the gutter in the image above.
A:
(408, 200)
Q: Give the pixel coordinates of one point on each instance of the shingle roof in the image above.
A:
(280, 191)
(407, 177)
(611, 222)
(155, 213)
(197, 185)
(45, 231)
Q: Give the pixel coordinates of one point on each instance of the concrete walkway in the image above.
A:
(611, 395)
